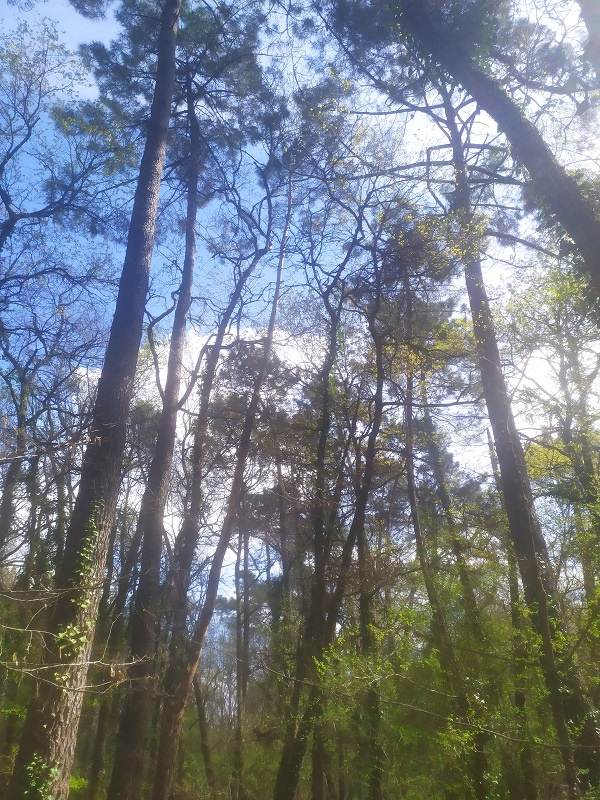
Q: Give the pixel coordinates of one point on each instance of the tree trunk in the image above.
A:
(435, 458)
(130, 750)
(14, 472)
(31, 568)
(242, 630)
(286, 579)
(107, 716)
(567, 698)
(590, 14)
(371, 743)
(370, 734)
(57, 535)
(527, 776)
(320, 628)
(184, 657)
(318, 752)
(439, 628)
(109, 630)
(558, 191)
(185, 545)
(296, 728)
(204, 740)
(45, 756)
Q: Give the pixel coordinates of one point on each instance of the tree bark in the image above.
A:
(566, 695)
(297, 729)
(130, 749)
(14, 472)
(45, 756)
(435, 458)
(184, 657)
(590, 14)
(439, 628)
(204, 740)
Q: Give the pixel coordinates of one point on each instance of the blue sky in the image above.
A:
(74, 28)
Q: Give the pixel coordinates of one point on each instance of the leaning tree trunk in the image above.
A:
(185, 545)
(130, 748)
(320, 628)
(566, 695)
(590, 14)
(14, 473)
(184, 656)
(472, 611)
(45, 756)
(296, 727)
(242, 641)
(558, 191)
(439, 627)
(203, 728)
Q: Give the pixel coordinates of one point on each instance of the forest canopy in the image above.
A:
(299, 397)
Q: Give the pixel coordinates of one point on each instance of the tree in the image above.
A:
(66, 170)
(591, 19)
(46, 751)
(183, 665)
(415, 612)
(437, 30)
(128, 764)
(525, 530)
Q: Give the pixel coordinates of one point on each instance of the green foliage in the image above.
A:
(41, 778)
(77, 784)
